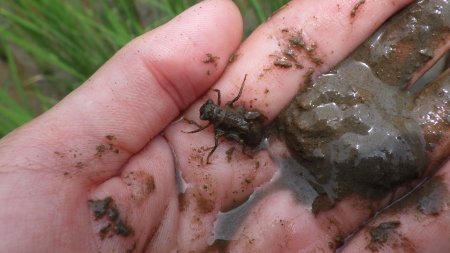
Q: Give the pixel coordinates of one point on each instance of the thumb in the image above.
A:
(137, 92)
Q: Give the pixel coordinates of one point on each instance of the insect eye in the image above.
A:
(207, 110)
(204, 112)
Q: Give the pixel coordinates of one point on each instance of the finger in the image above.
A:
(269, 87)
(143, 199)
(231, 178)
(134, 95)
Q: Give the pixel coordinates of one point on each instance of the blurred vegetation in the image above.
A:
(48, 48)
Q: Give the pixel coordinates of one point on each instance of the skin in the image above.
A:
(50, 167)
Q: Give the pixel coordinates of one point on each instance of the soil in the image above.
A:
(429, 198)
(380, 234)
(406, 42)
(353, 133)
(106, 206)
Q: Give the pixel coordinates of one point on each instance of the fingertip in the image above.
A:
(193, 49)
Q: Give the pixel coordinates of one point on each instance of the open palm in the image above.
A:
(111, 169)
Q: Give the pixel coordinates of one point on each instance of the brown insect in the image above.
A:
(233, 123)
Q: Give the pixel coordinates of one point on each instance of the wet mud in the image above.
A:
(354, 129)
(380, 234)
(406, 42)
(430, 198)
(353, 133)
(106, 206)
(431, 107)
(100, 207)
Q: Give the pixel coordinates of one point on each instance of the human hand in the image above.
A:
(103, 141)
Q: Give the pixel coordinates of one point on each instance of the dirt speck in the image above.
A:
(61, 155)
(122, 228)
(80, 165)
(110, 137)
(102, 149)
(205, 205)
(183, 203)
(104, 231)
(381, 233)
(132, 248)
(142, 184)
(233, 58)
(283, 64)
(339, 239)
(113, 213)
(229, 153)
(308, 76)
(211, 59)
(353, 12)
(100, 207)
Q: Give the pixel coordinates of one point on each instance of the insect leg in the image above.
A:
(218, 133)
(197, 124)
(192, 122)
(240, 92)
(218, 96)
(235, 137)
(243, 150)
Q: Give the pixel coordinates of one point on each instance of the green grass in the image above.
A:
(66, 41)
